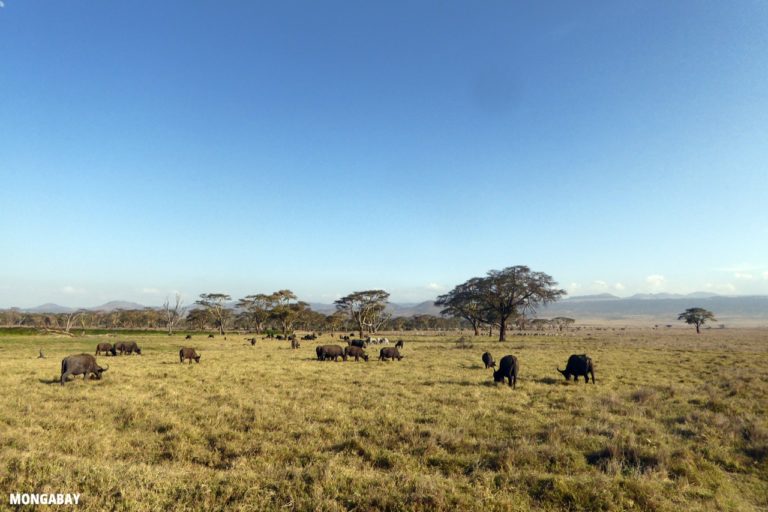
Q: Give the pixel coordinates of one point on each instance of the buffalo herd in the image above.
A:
(578, 365)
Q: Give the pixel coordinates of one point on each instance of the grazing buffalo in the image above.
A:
(328, 352)
(84, 364)
(355, 352)
(399, 344)
(107, 348)
(389, 353)
(252, 340)
(295, 343)
(508, 368)
(319, 352)
(279, 337)
(188, 337)
(188, 353)
(343, 337)
(578, 365)
(357, 343)
(488, 360)
(127, 347)
(210, 336)
(309, 337)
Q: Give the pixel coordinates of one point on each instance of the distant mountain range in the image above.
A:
(645, 307)
(109, 306)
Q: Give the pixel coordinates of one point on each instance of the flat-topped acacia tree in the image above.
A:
(286, 309)
(215, 303)
(501, 295)
(366, 309)
(697, 317)
(464, 302)
(514, 291)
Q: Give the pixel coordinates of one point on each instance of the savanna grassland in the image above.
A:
(676, 422)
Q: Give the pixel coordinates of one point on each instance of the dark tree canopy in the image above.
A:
(464, 301)
(697, 317)
(500, 296)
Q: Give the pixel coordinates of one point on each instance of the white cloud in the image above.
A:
(71, 290)
(618, 286)
(743, 275)
(434, 286)
(575, 286)
(656, 281)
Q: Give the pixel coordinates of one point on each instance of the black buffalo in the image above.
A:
(210, 336)
(357, 343)
(328, 352)
(188, 337)
(399, 344)
(128, 347)
(356, 352)
(508, 368)
(81, 364)
(389, 353)
(188, 353)
(579, 365)
(107, 348)
(488, 360)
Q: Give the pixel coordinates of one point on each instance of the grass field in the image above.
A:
(675, 422)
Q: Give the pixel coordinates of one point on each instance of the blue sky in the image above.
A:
(242, 147)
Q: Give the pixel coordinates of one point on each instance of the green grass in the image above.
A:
(675, 422)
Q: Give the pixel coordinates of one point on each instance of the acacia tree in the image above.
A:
(514, 291)
(257, 308)
(697, 317)
(285, 311)
(335, 322)
(215, 303)
(562, 322)
(366, 309)
(173, 314)
(464, 301)
(198, 318)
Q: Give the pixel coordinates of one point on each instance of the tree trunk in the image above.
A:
(697, 328)
(503, 330)
(476, 327)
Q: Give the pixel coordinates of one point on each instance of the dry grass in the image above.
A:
(675, 422)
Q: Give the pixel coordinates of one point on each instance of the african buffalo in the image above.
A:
(211, 336)
(357, 343)
(488, 360)
(327, 352)
(188, 337)
(355, 352)
(399, 344)
(128, 346)
(84, 364)
(578, 365)
(508, 368)
(389, 353)
(188, 353)
(107, 348)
